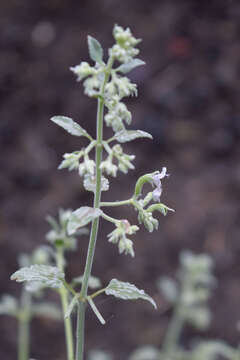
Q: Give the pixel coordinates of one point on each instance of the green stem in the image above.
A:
(64, 300)
(173, 331)
(111, 219)
(94, 229)
(116, 203)
(97, 293)
(24, 326)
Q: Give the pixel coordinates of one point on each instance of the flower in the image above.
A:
(118, 235)
(157, 182)
(83, 70)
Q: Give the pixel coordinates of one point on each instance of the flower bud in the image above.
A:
(83, 70)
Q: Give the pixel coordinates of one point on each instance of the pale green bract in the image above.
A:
(95, 50)
(49, 276)
(129, 135)
(69, 125)
(81, 217)
(127, 291)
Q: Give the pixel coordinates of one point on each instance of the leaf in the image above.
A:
(96, 311)
(127, 291)
(95, 50)
(129, 135)
(132, 64)
(71, 306)
(69, 125)
(81, 217)
(49, 276)
(47, 310)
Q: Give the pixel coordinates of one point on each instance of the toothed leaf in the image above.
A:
(127, 291)
(49, 276)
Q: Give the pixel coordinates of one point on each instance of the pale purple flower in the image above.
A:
(157, 182)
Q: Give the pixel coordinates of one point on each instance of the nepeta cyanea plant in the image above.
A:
(106, 82)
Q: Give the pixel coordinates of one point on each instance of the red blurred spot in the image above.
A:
(179, 47)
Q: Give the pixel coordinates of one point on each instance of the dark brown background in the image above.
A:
(189, 101)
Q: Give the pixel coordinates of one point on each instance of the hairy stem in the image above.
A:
(94, 229)
(24, 326)
(64, 300)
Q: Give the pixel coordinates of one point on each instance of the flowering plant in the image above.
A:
(106, 82)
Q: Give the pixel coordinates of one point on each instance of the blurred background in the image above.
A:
(188, 100)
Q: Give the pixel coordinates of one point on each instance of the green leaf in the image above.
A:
(81, 217)
(71, 306)
(95, 50)
(70, 126)
(96, 311)
(129, 135)
(127, 291)
(49, 276)
(47, 310)
(132, 64)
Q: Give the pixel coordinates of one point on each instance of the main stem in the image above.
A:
(64, 300)
(95, 223)
(23, 326)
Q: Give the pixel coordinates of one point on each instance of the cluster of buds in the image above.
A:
(72, 162)
(146, 218)
(125, 48)
(93, 74)
(123, 161)
(108, 167)
(117, 114)
(119, 236)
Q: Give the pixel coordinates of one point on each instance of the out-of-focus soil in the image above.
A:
(188, 99)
